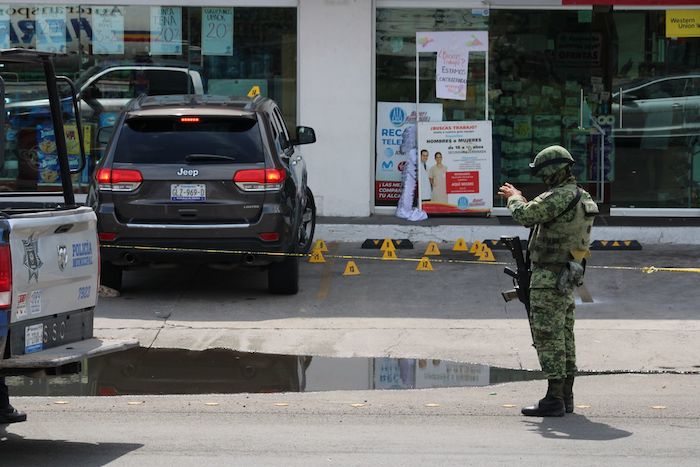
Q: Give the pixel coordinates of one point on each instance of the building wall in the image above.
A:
(335, 47)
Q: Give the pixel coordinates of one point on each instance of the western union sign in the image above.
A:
(682, 23)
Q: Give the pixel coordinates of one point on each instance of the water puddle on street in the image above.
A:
(176, 371)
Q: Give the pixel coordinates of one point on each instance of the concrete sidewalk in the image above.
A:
(603, 345)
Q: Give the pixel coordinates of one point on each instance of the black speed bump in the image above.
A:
(616, 245)
(376, 244)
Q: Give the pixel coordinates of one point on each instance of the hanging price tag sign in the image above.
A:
(51, 28)
(4, 27)
(166, 30)
(217, 31)
(107, 30)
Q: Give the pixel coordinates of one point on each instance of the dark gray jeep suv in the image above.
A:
(204, 179)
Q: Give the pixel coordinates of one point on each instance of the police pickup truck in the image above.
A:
(49, 254)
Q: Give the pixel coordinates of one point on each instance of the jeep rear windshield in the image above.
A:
(175, 140)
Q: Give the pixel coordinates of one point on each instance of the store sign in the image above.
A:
(392, 120)
(451, 75)
(51, 29)
(108, 30)
(166, 30)
(4, 27)
(217, 31)
(683, 23)
(460, 167)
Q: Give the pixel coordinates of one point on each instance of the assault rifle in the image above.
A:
(521, 276)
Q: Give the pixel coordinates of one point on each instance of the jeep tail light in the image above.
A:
(260, 179)
(107, 236)
(269, 236)
(118, 179)
(5, 276)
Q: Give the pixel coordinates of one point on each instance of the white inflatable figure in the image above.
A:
(405, 209)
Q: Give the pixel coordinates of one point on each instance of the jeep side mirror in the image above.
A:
(305, 135)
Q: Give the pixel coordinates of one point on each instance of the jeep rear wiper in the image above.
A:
(208, 158)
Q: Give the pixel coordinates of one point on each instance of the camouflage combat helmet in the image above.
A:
(550, 160)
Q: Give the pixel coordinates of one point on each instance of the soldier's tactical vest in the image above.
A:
(567, 236)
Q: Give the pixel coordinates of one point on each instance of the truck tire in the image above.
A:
(283, 277)
(111, 275)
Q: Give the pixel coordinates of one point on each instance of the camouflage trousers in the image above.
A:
(552, 314)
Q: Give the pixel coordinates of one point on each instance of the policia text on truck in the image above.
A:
(48, 245)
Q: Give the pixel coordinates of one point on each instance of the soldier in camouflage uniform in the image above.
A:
(561, 219)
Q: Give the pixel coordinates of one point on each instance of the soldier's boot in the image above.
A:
(11, 415)
(569, 394)
(553, 403)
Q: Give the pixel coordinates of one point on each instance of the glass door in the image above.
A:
(655, 89)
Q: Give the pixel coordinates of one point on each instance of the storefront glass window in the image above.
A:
(542, 62)
(396, 80)
(656, 107)
(115, 53)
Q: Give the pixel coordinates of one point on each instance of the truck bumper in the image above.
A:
(63, 355)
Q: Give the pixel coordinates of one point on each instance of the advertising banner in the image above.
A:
(217, 31)
(108, 30)
(4, 27)
(166, 30)
(51, 29)
(457, 159)
(444, 374)
(49, 167)
(392, 119)
(463, 41)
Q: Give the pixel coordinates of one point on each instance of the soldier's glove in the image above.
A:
(570, 276)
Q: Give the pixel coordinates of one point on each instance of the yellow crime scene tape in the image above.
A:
(433, 259)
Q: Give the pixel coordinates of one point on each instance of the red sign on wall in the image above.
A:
(463, 182)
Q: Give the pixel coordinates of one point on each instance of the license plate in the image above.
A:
(188, 192)
(51, 331)
(33, 338)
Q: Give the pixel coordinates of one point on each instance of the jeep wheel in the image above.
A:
(283, 277)
(111, 275)
(307, 225)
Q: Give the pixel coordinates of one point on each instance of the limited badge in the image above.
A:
(62, 257)
(31, 257)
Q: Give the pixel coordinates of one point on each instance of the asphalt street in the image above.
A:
(628, 320)
(631, 320)
(622, 420)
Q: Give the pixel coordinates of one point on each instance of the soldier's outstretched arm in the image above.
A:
(542, 209)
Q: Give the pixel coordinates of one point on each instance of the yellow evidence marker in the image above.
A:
(317, 257)
(460, 245)
(424, 264)
(320, 245)
(254, 91)
(351, 269)
(387, 244)
(476, 247)
(486, 254)
(390, 254)
(432, 249)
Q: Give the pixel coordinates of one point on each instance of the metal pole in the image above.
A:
(620, 108)
(59, 135)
